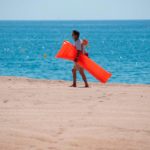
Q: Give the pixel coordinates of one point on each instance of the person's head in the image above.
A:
(75, 34)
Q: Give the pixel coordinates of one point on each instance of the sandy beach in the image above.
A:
(49, 115)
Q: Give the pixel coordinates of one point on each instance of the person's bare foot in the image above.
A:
(73, 85)
(86, 86)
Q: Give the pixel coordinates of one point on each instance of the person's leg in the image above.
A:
(83, 77)
(74, 74)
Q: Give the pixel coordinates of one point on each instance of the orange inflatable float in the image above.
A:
(69, 52)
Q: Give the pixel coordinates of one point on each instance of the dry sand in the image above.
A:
(49, 115)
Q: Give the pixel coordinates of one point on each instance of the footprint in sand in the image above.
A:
(60, 131)
(101, 101)
(5, 101)
(52, 148)
(101, 97)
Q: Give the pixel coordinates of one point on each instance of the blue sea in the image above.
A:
(28, 49)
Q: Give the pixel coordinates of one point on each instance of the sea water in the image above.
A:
(28, 49)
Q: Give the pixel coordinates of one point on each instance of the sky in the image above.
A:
(74, 9)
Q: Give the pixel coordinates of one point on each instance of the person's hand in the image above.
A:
(76, 59)
(87, 54)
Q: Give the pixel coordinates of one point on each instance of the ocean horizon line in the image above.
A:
(45, 20)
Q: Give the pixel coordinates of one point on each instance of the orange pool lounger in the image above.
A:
(68, 52)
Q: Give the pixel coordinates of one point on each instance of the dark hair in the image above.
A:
(77, 33)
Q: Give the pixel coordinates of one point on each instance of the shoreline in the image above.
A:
(67, 81)
(50, 115)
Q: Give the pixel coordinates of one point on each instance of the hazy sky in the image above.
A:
(74, 9)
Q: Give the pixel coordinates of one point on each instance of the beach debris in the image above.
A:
(45, 56)
(104, 94)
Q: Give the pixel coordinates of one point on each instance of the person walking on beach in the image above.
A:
(80, 49)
